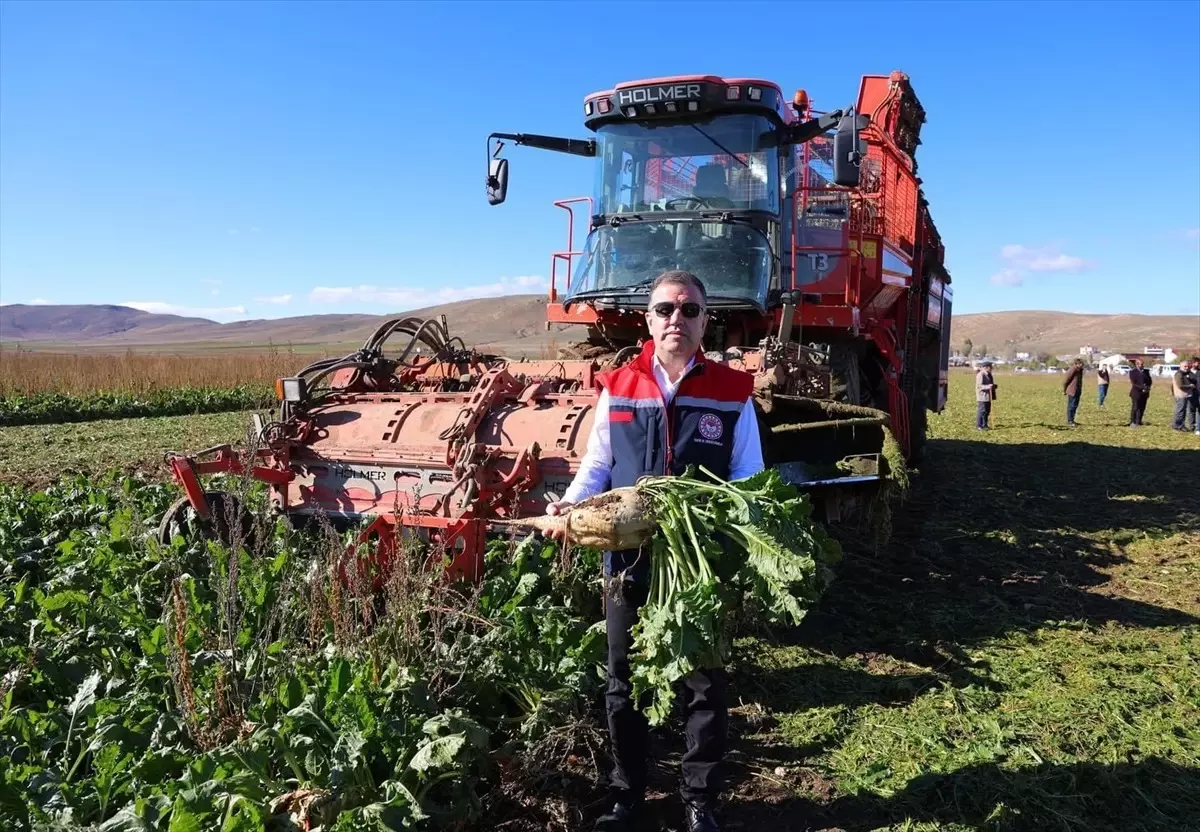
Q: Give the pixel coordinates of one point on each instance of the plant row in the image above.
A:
(50, 408)
(268, 683)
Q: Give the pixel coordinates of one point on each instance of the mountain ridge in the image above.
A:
(518, 321)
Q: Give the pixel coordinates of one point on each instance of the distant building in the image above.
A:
(1088, 350)
(1023, 356)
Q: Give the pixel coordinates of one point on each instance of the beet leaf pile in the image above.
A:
(719, 547)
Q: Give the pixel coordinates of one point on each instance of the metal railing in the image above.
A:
(571, 252)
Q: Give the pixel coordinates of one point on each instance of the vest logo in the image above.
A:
(711, 427)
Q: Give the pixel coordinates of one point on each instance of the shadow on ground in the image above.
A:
(995, 539)
(1003, 538)
(1151, 795)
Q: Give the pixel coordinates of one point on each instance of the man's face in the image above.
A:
(676, 334)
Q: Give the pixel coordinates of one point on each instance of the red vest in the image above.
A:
(649, 437)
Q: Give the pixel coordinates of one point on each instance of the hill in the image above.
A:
(77, 323)
(498, 323)
(1062, 332)
(516, 323)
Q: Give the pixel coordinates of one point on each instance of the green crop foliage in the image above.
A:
(50, 408)
(194, 686)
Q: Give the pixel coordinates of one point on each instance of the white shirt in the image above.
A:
(594, 475)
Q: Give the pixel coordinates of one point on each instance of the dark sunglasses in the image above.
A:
(666, 309)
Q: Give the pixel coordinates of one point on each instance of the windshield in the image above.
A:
(733, 260)
(726, 162)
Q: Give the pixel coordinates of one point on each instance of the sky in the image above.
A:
(258, 160)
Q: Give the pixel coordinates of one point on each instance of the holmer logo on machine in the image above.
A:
(344, 472)
(652, 95)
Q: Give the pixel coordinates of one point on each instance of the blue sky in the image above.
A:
(258, 160)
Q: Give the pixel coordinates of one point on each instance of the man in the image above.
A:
(1101, 385)
(1139, 392)
(1183, 385)
(1193, 418)
(1073, 388)
(985, 394)
(668, 408)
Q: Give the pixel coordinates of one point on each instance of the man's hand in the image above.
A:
(554, 510)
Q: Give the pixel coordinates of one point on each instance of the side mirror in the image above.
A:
(497, 181)
(848, 150)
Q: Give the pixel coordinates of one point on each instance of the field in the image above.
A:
(1024, 653)
(47, 388)
(28, 372)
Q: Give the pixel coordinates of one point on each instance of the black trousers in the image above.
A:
(705, 709)
(1137, 408)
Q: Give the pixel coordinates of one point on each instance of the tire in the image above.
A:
(181, 519)
(918, 423)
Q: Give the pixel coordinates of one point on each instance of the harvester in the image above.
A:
(825, 279)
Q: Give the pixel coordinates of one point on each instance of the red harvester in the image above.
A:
(825, 278)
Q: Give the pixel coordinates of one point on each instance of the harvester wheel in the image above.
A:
(229, 524)
(845, 382)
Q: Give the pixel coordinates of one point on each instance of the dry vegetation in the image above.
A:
(23, 372)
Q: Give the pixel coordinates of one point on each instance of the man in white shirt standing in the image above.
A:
(667, 409)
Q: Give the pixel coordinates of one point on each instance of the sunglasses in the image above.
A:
(667, 309)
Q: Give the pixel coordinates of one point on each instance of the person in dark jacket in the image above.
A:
(1139, 392)
(1073, 388)
(668, 408)
(1193, 415)
(1101, 385)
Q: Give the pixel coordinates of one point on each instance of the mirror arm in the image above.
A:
(576, 147)
(809, 130)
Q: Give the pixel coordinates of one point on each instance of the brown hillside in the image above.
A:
(516, 324)
(80, 322)
(1061, 332)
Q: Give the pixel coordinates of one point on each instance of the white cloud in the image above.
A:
(159, 307)
(278, 299)
(39, 302)
(411, 298)
(1020, 261)
(216, 292)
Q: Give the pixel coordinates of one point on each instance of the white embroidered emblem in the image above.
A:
(711, 427)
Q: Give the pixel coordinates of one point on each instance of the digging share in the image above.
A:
(715, 546)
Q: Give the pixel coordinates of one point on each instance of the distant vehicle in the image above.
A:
(1161, 370)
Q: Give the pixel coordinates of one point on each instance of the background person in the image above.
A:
(1183, 385)
(1193, 416)
(1139, 392)
(985, 394)
(1073, 388)
(1101, 385)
